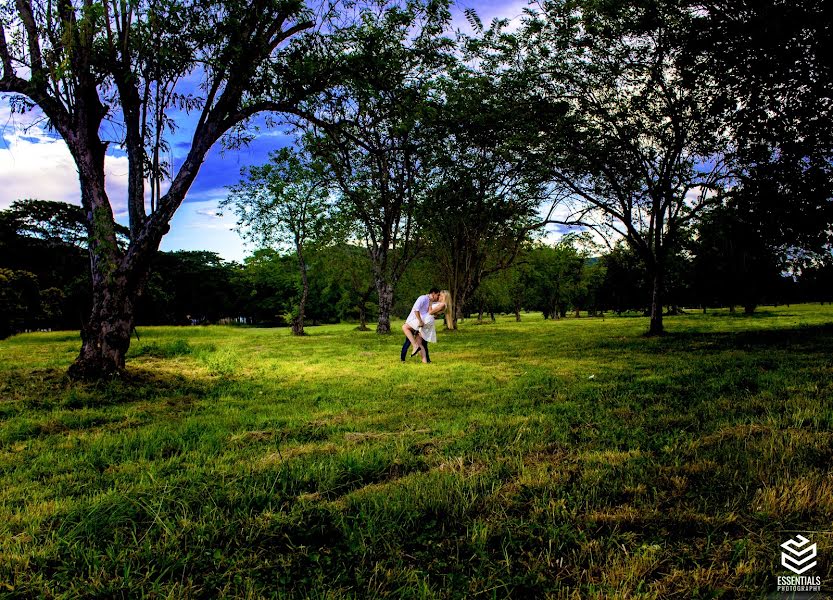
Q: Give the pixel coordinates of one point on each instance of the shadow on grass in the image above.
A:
(805, 338)
(49, 389)
(809, 338)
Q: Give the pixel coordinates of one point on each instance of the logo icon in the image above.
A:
(799, 553)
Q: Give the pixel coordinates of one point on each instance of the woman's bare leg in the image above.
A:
(406, 329)
(417, 344)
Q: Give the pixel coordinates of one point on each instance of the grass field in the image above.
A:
(562, 459)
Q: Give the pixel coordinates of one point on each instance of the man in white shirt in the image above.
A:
(416, 319)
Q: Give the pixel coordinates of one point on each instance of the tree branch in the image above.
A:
(24, 9)
(8, 70)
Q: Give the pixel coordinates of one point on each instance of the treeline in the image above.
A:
(44, 279)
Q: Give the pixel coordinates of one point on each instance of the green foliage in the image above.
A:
(557, 278)
(191, 287)
(734, 264)
(19, 301)
(391, 59)
(285, 203)
(570, 457)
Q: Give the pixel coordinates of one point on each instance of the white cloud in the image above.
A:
(198, 226)
(36, 163)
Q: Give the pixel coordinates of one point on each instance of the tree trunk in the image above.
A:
(105, 337)
(656, 327)
(362, 306)
(460, 298)
(363, 317)
(298, 321)
(385, 291)
(517, 315)
(749, 309)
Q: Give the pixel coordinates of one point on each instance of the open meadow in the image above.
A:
(564, 459)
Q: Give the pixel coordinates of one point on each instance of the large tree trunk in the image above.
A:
(656, 327)
(105, 337)
(118, 277)
(385, 291)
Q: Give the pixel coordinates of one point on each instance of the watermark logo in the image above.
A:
(799, 556)
(799, 553)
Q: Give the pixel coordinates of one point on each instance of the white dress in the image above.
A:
(429, 330)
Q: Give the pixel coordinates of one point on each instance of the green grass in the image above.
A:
(563, 459)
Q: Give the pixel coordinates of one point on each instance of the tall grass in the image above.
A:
(564, 459)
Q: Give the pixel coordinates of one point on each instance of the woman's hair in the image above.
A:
(449, 309)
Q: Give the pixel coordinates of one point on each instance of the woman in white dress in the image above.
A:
(428, 331)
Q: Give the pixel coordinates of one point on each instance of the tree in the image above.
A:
(374, 155)
(769, 61)
(734, 263)
(53, 222)
(49, 240)
(486, 190)
(286, 201)
(20, 301)
(639, 149)
(189, 286)
(625, 281)
(556, 277)
(348, 267)
(87, 63)
(269, 283)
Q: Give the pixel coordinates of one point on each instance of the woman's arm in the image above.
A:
(437, 308)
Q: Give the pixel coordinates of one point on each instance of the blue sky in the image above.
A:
(35, 163)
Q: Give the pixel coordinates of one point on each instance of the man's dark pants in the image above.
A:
(408, 345)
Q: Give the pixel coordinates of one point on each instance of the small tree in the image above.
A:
(556, 277)
(348, 267)
(285, 202)
(375, 154)
(487, 193)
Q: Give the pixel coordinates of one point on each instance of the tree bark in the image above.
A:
(656, 327)
(105, 337)
(385, 291)
(298, 321)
